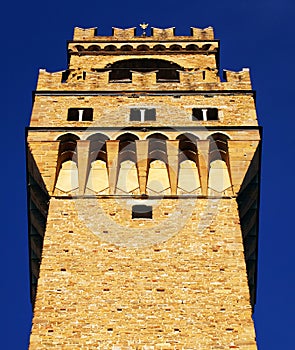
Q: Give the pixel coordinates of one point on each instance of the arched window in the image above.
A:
(67, 170)
(127, 181)
(188, 175)
(158, 179)
(219, 177)
(98, 181)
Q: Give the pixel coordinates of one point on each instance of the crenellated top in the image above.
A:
(90, 34)
(192, 79)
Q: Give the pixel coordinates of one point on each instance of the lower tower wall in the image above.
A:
(177, 281)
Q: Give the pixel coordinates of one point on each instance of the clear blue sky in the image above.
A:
(257, 34)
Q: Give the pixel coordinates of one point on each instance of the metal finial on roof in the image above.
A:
(144, 26)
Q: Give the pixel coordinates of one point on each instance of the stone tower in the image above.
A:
(143, 186)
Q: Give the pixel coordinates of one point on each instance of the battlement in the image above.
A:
(190, 79)
(90, 34)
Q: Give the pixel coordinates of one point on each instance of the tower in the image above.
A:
(143, 188)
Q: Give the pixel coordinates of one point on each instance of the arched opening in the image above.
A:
(127, 181)
(94, 48)
(206, 47)
(188, 175)
(142, 48)
(79, 48)
(159, 47)
(158, 179)
(126, 48)
(98, 181)
(67, 170)
(192, 47)
(219, 177)
(121, 71)
(175, 47)
(110, 48)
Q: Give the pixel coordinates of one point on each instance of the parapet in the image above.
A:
(242, 76)
(81, 34)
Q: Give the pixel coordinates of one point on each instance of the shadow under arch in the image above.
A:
(97, 149)
(97, 174)
(188, 164)
(127, 147)
(127, 181)
(219, 177)
(122, 70)
(66, 177)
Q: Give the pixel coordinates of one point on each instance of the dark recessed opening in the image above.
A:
(142, 114)
(212, 114)
(80, 114)
(205, 114)
(142, 212)
(197, 114)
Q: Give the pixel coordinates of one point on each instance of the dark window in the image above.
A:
(197, 114)
(142, 212)
(142, 114)
(212, 114)
(80, 114)
(205, 114)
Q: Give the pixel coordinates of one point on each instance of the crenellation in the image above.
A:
(203, 34)
(124, 34)
(159, 34)
(242, 76)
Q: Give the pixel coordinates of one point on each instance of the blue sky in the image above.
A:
(257, 34)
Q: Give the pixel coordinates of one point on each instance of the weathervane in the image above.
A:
(144, 26)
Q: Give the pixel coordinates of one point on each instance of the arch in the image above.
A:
(157, 135)
(219, 176)
(142, 48)
(166, 70)
(97, 147)
(79, 48)
(94, 48)
(159, 47)
(127, 147)
(206, 47)
(157, 148)
(110, 48)
(66, 179)
(175, 47)
(218, 147)
(67, 148)
(192, 47)
(98, 181)
(188, 173)
(66, 136)
(126, 48)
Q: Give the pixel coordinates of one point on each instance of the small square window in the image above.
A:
(142, 212)
(80, 114)
(205, 114)
(142, 114)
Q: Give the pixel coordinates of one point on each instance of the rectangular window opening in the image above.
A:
(80, 114)
(142, 212)
(205, 114)
(142, 114)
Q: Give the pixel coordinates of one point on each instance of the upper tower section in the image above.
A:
(127, 61)
(185, 53)
(109, 79)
